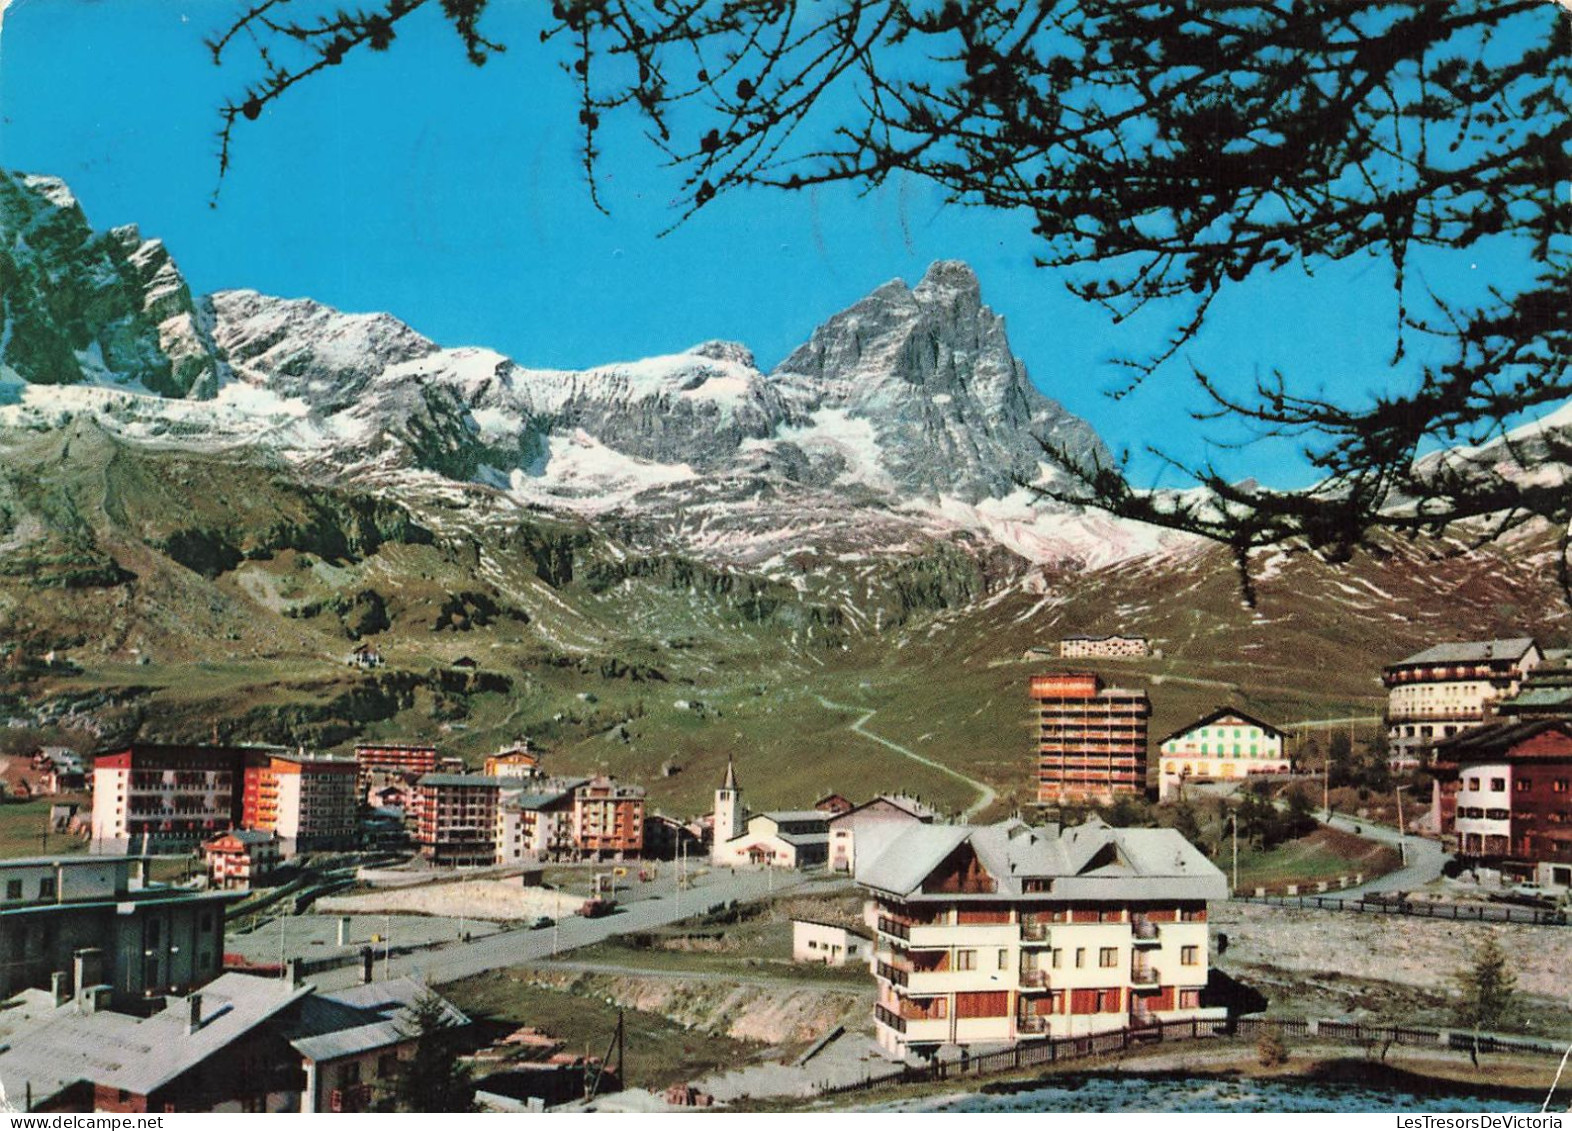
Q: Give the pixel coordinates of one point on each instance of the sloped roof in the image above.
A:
(1088, 861)
(359, 1020)
(468, 779)
(1219, 713)
(792, 816)
(1472, 651)
(52, 1047)
(1496, 740)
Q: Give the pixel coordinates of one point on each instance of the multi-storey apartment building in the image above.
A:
(73, 923)
(1007, 932)
(1503, 795)
(608, 819)
(1091, 739)
(311, 803)
(1223, 745)
(394, 758)
(1448, 689)
(537, 823)
(160, 798)
(455, 817)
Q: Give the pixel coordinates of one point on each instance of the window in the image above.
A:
(46, 888)
(1559, 785)
(1004, 959)
(13, 889)
(1189, 999)
(1523, 785)
(1108, 956)
(1190, 955)
(966, 960)
(1473, 783)
(1055, 957)
(1497, 785)
(1080, 957)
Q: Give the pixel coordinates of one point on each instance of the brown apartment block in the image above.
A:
(609, 819)
(1091, 739)
(394, 757)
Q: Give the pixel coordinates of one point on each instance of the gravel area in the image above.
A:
(1397, 948)
(498, 900)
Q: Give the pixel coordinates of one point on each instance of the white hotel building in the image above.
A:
(1005, 932)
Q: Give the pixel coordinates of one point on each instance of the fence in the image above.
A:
(1061, 1049)
(1465, 912)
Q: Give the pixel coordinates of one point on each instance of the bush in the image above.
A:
(1271, 1049)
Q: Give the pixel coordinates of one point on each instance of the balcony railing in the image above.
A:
(1143, 975)
(894, 927)
(894, 974)
(1034, 979)
(1031, 1024)
(1034, 932)
(1144, 931)
(886, 1017)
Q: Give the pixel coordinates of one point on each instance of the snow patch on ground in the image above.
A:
(1019, 523)
(580, 473)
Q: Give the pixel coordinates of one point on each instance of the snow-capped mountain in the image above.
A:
(95, 308)
(910, 402)
(947, 404)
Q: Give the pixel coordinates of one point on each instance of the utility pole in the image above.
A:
(1326, 784)
(282, 962)
(1233, 820)
(387, 947)
(1402, 839)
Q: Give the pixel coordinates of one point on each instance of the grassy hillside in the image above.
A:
(184, 596)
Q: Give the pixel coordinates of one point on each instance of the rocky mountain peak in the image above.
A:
(84, 307)
(734, 352)
(931, 369)
(951, 285)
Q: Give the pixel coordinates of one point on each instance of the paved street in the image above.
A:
(1425, 858)
(645, 906)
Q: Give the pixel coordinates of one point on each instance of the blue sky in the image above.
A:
(453, 197)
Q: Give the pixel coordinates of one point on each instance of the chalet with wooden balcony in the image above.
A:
(1503, 796)
(1007, 932)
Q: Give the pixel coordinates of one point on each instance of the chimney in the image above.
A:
(94, 999)
(87, 969)
(292, 972)
(367, 959)
(193, 1013)
(60, 987)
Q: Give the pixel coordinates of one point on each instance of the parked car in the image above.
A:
(540, 922)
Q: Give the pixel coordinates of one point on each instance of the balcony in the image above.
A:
(1144, 975)
(1031, 1025)
(1034, 979)
(1144, 933)
(889, 1019)
(1034, 933)
(897, 975)
(894, 927)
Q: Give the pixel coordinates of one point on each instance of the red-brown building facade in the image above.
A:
(1503, 795)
